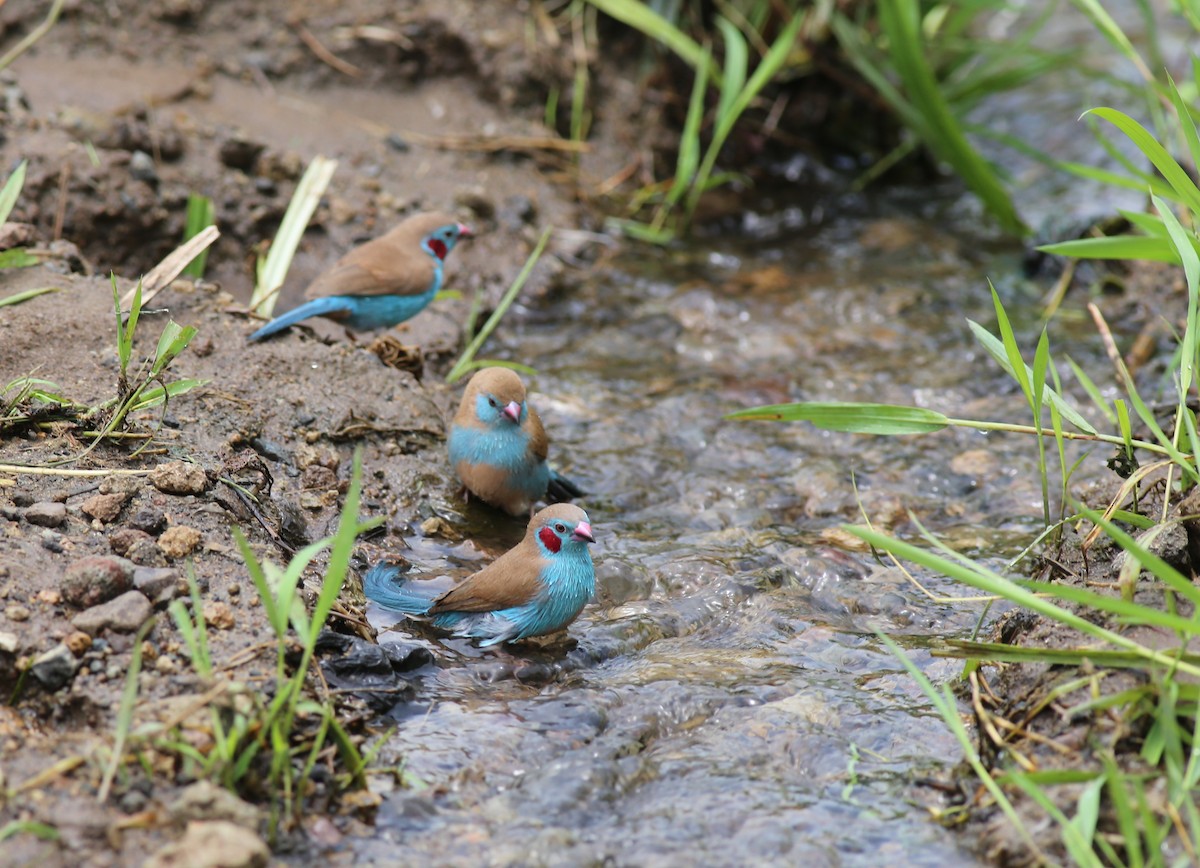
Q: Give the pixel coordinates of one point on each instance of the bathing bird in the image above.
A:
(383, 282)
(498, 446)
(537, 587)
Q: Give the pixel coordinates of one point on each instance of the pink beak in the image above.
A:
(583, 533)
(464, 231)
(512, 411)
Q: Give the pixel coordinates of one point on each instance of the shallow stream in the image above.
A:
(727, 701)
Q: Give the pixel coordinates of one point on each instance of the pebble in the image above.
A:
(160, 584)
(117, 484)
(218, 614)
(16, 612)
(8, 642)
(46, 514)
(93, 580)
(54, 668)
(149, 520)
(125, 614)
(166, 665)
(141, 167)
(105, 507)
(52, 541)
(146, 553)
(209, 844)
(179, 477)
(79, 642)
(123, 539)
(179, 541)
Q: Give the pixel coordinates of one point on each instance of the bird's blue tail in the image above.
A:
(382, 584)
(561, 489)
(316, 307)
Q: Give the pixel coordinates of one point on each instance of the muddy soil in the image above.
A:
(122, 111)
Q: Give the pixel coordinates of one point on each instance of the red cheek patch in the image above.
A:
(438, 248)
(550, 539)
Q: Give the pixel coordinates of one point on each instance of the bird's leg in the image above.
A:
(465, 494)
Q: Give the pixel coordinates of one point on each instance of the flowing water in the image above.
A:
(727, 701)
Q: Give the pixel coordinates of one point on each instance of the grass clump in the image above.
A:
(1126, 613)
(262, 744)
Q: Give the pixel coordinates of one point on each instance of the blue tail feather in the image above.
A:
(382, 584)
(316, 307)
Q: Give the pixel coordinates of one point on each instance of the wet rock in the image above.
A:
(54, 668)
(125, 614)
(16, 612)
(370, 671)
(46, 514)
(149, 519)
(146, 553)
(93, 580)
(122, 540)
(160, 584)
(105, 507)
(179, 541)
(79, 642)
(142, 168)
(204, 800)
(179, 477)
(212, 844)
(219, 614)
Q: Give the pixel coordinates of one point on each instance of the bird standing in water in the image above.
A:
(498, 446)
(537, 587)
(381, 283)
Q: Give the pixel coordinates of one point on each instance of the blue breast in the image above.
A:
(384, 311)
(506, 448)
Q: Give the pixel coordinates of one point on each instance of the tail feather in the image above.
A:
(561, 489)
(382, 584)
(316, 307)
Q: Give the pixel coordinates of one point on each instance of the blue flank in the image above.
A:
(568, 582)
(503, 446)
(359, 312)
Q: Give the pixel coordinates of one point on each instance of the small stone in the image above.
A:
(49, 596)
(52, 541)
(146, 553)
(179, 477)
(205, 800)
(141, 167)
(160, 584)
(166, 665)
(149, 520)
(239, 153)
(16, 612)
(212, 844)
(125, 614)
(397, 143)
(54, 668)
(93, 580)
(122, 540)
(46, 514)
(8, 642)
(218, 614)
(126, 485)
(79, 642)
(105, 507)
(319, 478)
(179, 541)
(22, 498)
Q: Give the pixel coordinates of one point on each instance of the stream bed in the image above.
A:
(725, 699)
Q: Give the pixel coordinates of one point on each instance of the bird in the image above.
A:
(538, 586)
(383, 282)
(498, 446)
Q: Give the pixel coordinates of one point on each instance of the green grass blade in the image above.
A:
(733, 69)
(17, 257)
(888, 419)
(11, 190)
(639, 16)
(1191, 269)
(199, 217)
(19, 297)
(1184, 188)
(1116, 247)
(125, 710)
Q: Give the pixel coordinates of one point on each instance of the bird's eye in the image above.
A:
(492, 401)
(560, 527)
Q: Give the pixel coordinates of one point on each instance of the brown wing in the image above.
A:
(510, 580)
(393, 264)
(539, 444)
